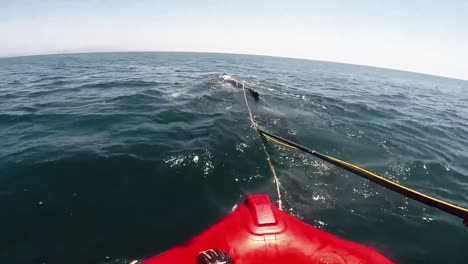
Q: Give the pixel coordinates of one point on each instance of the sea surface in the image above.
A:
(114, 157)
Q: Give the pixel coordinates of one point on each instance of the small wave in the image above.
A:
(56, 79)
(122, 84)
(182, 160)
(136, 98)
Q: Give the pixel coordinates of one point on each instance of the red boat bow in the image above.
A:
(258, 232)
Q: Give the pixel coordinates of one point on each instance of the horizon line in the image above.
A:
(228, 53)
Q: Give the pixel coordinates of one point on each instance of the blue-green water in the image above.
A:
(107, 158)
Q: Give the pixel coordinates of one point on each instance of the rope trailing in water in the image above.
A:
(270, 162)
(403, 190)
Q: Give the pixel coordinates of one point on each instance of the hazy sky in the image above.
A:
(422, 36)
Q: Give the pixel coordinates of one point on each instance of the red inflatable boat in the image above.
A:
(258, 232)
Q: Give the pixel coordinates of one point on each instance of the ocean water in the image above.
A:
(114, 157)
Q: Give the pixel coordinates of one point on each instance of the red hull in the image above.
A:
(258, 232)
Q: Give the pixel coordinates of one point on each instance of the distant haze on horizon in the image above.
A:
(421, 36)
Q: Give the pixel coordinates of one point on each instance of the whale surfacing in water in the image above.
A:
(239, 84)
(265, 115)
(234, 82)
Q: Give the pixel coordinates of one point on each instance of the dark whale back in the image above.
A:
(265, 115)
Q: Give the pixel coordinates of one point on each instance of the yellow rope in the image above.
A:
(408, 192)
(398, 185)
